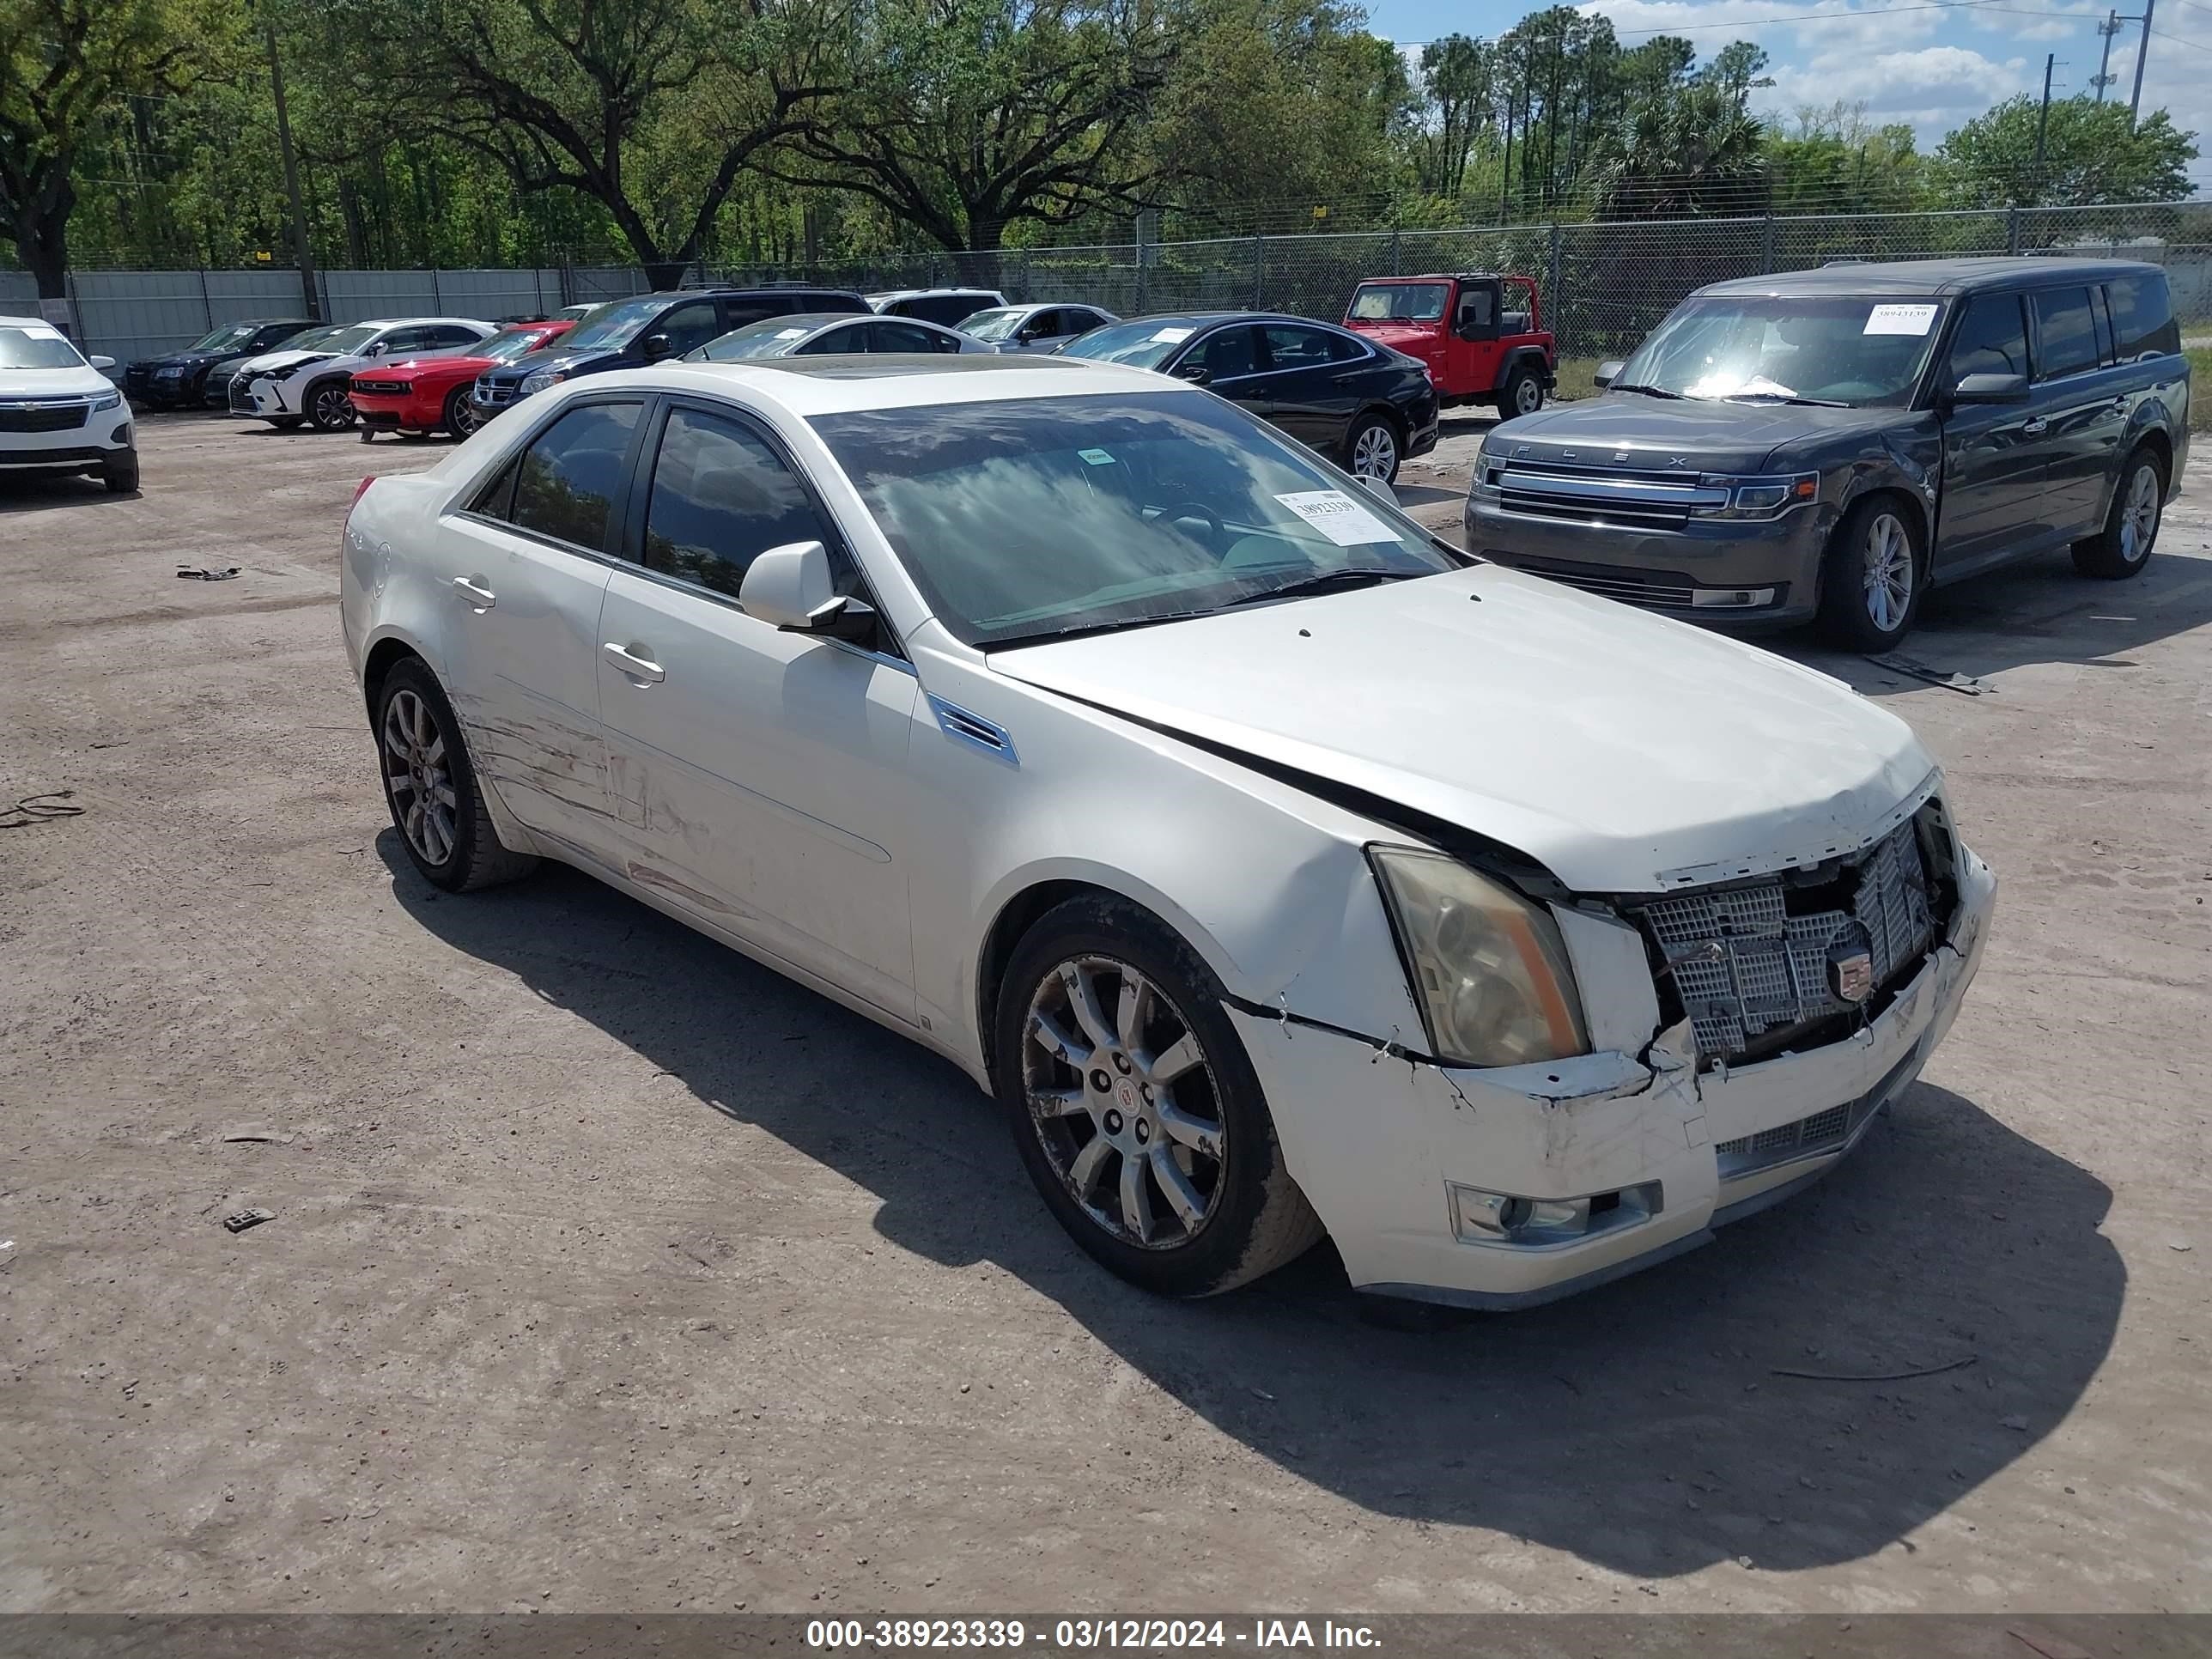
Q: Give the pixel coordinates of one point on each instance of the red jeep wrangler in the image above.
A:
(1477, 351)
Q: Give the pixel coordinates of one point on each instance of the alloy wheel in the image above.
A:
(1126, 1107)
(464, 416)
(2139, 517)
(332, 408)
(418, 777)
(1887, 572)
(1375, 453)
(1527, 397)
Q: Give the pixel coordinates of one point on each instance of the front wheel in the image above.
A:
(2122, 549)
(430, 785)
(329, 407)
(1522, 394)
(1372, 449)
(1872, 576)
(460, 413)
(1136, 1109)
(121, 474)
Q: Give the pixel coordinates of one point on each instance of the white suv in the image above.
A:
(58, 413)
(305, 379)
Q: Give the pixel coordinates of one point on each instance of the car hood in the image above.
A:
(455, 364)
(1624, 752)
(1629, 428)
(551, 357)
(1414, 339)
(283, 361)
(179, 360)
(79, 381)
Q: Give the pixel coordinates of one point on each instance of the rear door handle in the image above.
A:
(2037, 427)
(637, 667)
(474, 592)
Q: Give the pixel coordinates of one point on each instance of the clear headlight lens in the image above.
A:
(1489, 968)
(107, 400)
(537, 381)
(1762, 498)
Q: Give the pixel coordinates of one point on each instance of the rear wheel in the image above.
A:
(2123, 547)
(1372, 448)
(431, 788)
(329, 407)
(1135, 1107)
(1522, 394)
(460, 412)
(1872, 576)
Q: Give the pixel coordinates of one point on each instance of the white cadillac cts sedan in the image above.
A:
(1281, 870)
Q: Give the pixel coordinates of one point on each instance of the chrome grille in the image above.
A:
(490, 390)
(1745, 968)
(1655, 499)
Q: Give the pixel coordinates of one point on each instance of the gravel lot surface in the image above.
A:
(611, 1272)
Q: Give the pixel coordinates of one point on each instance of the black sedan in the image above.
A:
(187, 379)
(1362, 405)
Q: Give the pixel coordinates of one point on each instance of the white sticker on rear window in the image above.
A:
(790, 334)
(1899, 320)
(1338, 517)
(1173, 336)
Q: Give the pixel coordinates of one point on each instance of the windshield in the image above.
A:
(615, 325)
(1859, 351)
(1035, 517)
(510, 343)
(772, 339)
(1146, 343)
(34, 345)
(995, 324)
(1399, 303)
(231, 334)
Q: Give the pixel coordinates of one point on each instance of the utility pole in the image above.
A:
(2042, 128)
(299, 248)
(2142, 44)
(2108, 29)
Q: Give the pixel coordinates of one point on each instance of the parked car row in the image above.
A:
(58, 412)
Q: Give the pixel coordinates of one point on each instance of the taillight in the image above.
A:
(360, 490)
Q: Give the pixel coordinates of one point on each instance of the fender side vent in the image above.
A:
(958, 724)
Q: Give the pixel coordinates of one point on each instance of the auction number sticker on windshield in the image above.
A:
(790, 334)
(1338, 517)
(1899, 320)
(1173, 336)
(1094, 458)
(38, 331)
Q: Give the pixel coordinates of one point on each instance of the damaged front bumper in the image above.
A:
(1620, 1160)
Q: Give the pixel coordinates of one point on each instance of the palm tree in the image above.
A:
(1688, 151)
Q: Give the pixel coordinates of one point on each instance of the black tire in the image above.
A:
(1522, 394)
(1255, 1218)
(472, 855)
(460, 413)
(284, 423)
(327, 405)
(121, 474)
(1850, 614)
(2122, 548)
(1374, 441)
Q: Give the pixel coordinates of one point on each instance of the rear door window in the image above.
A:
(691, 324)
(1992, 338)
(571, 473)
(2143, 324)
(2065, 335)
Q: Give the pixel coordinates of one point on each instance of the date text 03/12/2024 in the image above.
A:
(1083, 1635)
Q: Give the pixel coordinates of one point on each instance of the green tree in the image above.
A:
(1456, 76)
(66, 67)
(1688, 152)
(2091, 155)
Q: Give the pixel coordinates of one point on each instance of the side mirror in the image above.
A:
(1607, 372)
(657, 346)
(103, 364)
(1991, 389)
(1378, 488)
(790, 587)
(1196, 374)
(374, 348)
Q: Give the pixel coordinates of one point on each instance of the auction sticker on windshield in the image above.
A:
(1899, 320)
(1174, 335)
(1338, 517)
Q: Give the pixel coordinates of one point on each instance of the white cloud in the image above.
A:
(1931, 88)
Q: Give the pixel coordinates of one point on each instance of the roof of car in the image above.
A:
(841, 384)
(1931, 276)
(924, 292)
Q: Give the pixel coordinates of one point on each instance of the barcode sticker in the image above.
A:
(1899, 320)
(1338, 517)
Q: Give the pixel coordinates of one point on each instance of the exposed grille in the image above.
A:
(381, 388)
(1654, 500)
(1823, 1132)
(242, 401)
(490, 390)
(1747, 968)
(53, 417)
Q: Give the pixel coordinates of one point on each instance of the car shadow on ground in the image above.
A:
(42, 492)
(1646, 1426)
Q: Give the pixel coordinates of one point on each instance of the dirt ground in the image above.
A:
(610, 1271)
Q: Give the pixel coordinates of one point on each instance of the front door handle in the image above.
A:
(2037, 427)
(637, 667)
(474, 592)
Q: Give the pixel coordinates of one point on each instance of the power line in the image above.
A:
(2178, 41)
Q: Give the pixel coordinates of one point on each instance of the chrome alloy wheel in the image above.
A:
(1529, 396)
(2139, 516)
(1126, 1107)
(416, 776)
(332, 408)
(1375, 455)
(1888, 574)
(465, 420)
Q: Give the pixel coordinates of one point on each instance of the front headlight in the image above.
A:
(536, 381)
(1762, 498)
(1488, 968)
(106, 400)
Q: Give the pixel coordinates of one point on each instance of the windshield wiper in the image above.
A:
(1047, 635)
(1325, 581)
(1779, 398)
(1648, 391)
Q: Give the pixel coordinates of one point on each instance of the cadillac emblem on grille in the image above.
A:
(1746, 962)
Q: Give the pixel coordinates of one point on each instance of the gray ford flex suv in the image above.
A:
(1832, 443)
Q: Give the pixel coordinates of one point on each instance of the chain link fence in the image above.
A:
(1605, 284)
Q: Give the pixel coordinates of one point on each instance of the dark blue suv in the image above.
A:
(630, 333)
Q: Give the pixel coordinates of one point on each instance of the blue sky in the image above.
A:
(1906, 60)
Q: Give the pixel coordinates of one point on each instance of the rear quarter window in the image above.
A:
(2143, 323)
